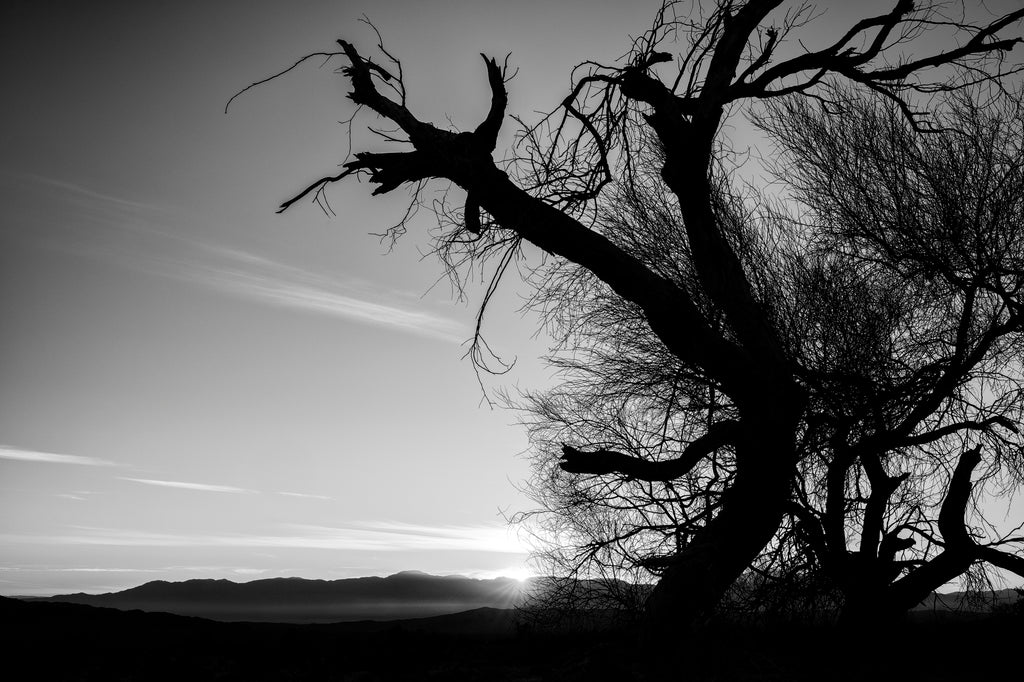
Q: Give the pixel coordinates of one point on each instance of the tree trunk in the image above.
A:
(752, 510)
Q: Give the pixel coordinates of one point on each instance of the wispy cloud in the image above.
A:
(77, 569)
(80, 495)
(20, 454)
(245, 274)
(154, 239)
(306, 495)
(485, 537)
(103, 570)
(392, 536)
(83, 193)
(373, 537)
(208, 570)
(188, 486)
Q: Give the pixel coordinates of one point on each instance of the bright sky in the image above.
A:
(193, 386)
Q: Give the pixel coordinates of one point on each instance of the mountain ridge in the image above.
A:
(408, 594)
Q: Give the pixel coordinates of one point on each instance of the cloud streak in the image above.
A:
(306, 496)
(22, 455)
(84, 193)
(205, 487)
(245, 274)
(369, 537)
(153, 239)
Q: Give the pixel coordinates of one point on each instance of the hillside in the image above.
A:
(70, 642)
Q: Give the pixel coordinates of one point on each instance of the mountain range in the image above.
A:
(409, 594)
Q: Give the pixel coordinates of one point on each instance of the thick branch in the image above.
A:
(882, 488)
(465, 159)
(892, 544)
(687, 136)
(387, 170)
(950, 429)
(834, 521)
(729, 50)
(365, 92)
(487, 131)
(605, 462)
(766, 55)
(958, 496)
(1003, 560)
(960, 550)
(831, 58)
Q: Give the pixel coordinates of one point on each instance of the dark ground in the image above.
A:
(50, 641)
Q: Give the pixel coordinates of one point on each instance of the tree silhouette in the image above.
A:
(918, 381)
(747, 450)
(900, 261)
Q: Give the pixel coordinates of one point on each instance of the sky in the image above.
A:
(194, 386)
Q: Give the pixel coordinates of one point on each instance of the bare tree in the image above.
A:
(715, 319)
(900, 256)
(910, 339)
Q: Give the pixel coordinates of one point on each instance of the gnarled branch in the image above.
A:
(606, 462)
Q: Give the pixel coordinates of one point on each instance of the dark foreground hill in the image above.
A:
(410, 594)
(64, 642)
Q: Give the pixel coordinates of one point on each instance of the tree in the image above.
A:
(919, 252)
(693, 289)
(902, 272)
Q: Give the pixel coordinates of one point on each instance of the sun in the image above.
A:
(518, 573)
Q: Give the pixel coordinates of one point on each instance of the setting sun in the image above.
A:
(519, 573)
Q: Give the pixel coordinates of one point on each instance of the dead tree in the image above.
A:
(680, 81)
(909, 332)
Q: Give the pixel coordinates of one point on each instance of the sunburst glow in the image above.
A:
(518, 573)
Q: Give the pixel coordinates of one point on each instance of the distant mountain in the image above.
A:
(410, 594)
(980, 602)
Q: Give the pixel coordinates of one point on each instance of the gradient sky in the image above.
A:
(193, 386)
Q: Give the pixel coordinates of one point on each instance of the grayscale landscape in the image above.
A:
(512, 340)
